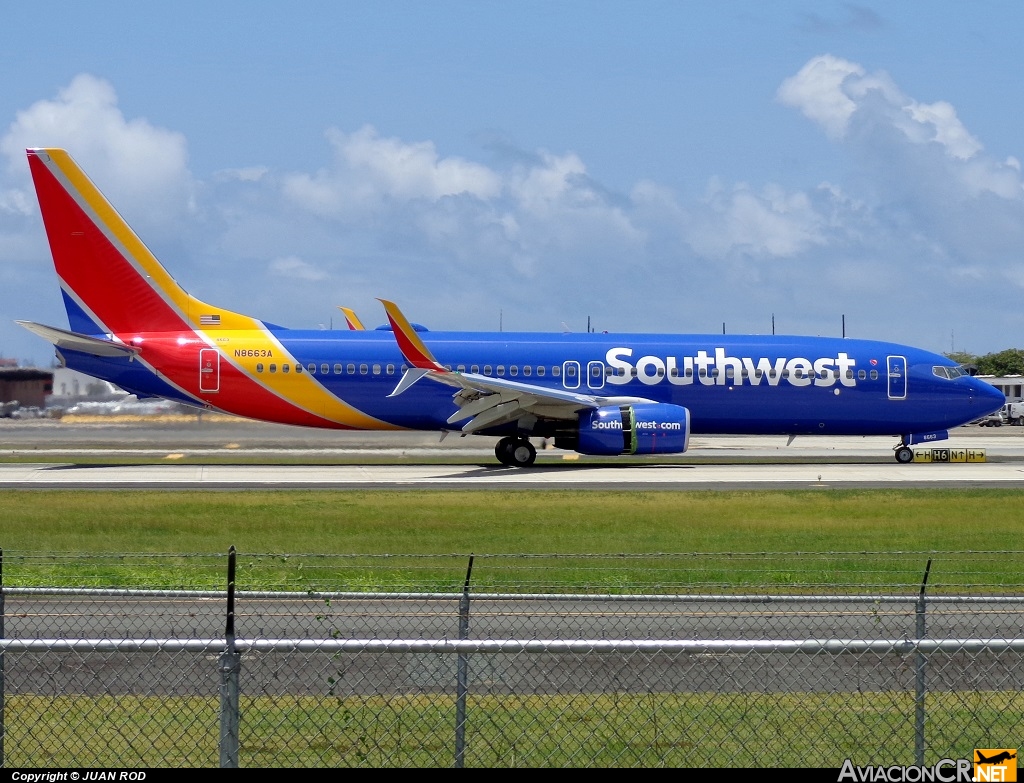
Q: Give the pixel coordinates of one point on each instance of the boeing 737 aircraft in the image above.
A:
(610, 394)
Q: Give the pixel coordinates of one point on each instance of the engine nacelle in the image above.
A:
(645, 428)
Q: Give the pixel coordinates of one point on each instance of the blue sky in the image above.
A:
(655, 166)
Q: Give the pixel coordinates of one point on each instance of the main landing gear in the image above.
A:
(515, 452)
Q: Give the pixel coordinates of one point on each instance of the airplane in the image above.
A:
(596, 394)
(996, 759)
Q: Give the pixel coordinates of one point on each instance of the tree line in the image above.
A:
(1008, 362)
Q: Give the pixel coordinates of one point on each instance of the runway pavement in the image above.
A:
(290, 457)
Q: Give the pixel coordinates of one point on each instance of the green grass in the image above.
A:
(430, 535)
(601, 730)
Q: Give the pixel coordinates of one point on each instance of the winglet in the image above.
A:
(409, 343)
(354, 324)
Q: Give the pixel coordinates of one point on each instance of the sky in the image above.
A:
(643, 166)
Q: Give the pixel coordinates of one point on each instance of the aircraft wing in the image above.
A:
(484, 400)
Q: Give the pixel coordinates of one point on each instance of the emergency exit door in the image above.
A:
(209, 370)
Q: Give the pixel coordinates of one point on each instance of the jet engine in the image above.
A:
(645, 428)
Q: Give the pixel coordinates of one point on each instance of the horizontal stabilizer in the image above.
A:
(82, 343)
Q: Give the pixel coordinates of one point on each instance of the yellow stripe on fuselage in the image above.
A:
(248, 348)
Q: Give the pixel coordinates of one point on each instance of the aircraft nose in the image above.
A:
(989, 397)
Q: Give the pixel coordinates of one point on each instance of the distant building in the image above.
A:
(71, 386)
(25, 385)
(1010, 385)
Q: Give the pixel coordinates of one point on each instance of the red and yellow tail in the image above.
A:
(109, 277)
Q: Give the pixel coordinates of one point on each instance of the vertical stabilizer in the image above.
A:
(110, 280)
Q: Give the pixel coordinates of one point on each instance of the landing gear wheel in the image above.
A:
(523, 454)
(515, 452)
(503, 450)
(904, 455)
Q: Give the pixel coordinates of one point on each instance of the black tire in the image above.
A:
(503, 450)
(904, 455)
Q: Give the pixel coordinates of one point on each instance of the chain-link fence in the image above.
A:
(510, 660)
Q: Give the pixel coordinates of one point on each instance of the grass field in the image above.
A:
(698, 730)
(801, 538)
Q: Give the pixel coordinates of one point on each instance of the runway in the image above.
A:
(252, 456)
(801, 476)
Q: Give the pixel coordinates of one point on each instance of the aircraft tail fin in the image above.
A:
(111, 282)
(352, 320)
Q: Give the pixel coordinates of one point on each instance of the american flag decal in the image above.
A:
(209, 320)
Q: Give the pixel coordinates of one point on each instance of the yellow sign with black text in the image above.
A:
(949, 455)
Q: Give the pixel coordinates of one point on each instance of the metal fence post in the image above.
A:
(3, 682)
(920, 663)
(230, 666)
(462, 674)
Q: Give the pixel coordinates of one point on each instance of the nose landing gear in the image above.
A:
(904, 454)
(515, 452)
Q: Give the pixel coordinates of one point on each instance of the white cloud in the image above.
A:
(829, 90)
(817, 91)
(771, 223)
(295, 267)
(142, 168)
(369, 169)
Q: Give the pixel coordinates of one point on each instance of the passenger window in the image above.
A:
(259, 367)
(556, 371)
(475, 369)
(376, 369)
(540, 371)
(325, 369)
(862, 375)
(501, 370)
(460, 368)
(311, 368)
(298, 369)
(390, 369)
(273, 368)
(874, 375)
(363, 369)
(349, 368)
(527, 371)
(487, 369)
(632, 371)
(285, 367)
(570, 371)
(513, 370)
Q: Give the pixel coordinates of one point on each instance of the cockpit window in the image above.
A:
(948, 372)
